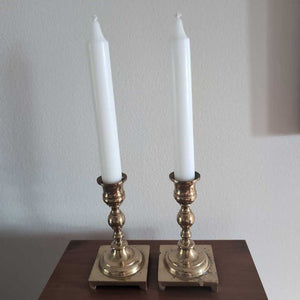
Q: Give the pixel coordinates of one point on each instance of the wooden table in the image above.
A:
(238, 277)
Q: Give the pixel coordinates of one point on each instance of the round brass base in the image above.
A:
(186, 264)
(121, 263)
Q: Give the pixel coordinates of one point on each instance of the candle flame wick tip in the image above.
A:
(178, 15)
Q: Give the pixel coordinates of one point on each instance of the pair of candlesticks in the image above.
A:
(184, 264)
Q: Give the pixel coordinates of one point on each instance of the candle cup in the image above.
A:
(186, 264)
(119, 263)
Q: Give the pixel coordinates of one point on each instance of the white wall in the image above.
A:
(246, 76)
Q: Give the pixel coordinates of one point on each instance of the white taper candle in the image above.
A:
(182, 103)
(106, 122)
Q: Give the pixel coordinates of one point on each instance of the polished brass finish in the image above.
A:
(97, 278)
(121, 260)
(165, 278)
(119, 264)
(185, 261)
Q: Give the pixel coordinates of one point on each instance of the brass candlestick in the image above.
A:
(186, 264)
(119, 264)
(185, 261)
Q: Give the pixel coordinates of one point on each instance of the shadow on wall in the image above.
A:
(274, 54)
(27, 260)
(19, 169)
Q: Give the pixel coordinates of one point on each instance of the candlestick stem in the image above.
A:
(122, 260)
(185, 261)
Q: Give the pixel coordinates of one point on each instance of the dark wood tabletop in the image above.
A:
(238, 276)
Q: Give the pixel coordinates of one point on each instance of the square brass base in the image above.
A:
(210, 279)
(97, 278)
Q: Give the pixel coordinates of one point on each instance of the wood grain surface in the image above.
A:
(238, 277)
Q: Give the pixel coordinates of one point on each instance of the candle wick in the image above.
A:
(95, 18)
(178, 15)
